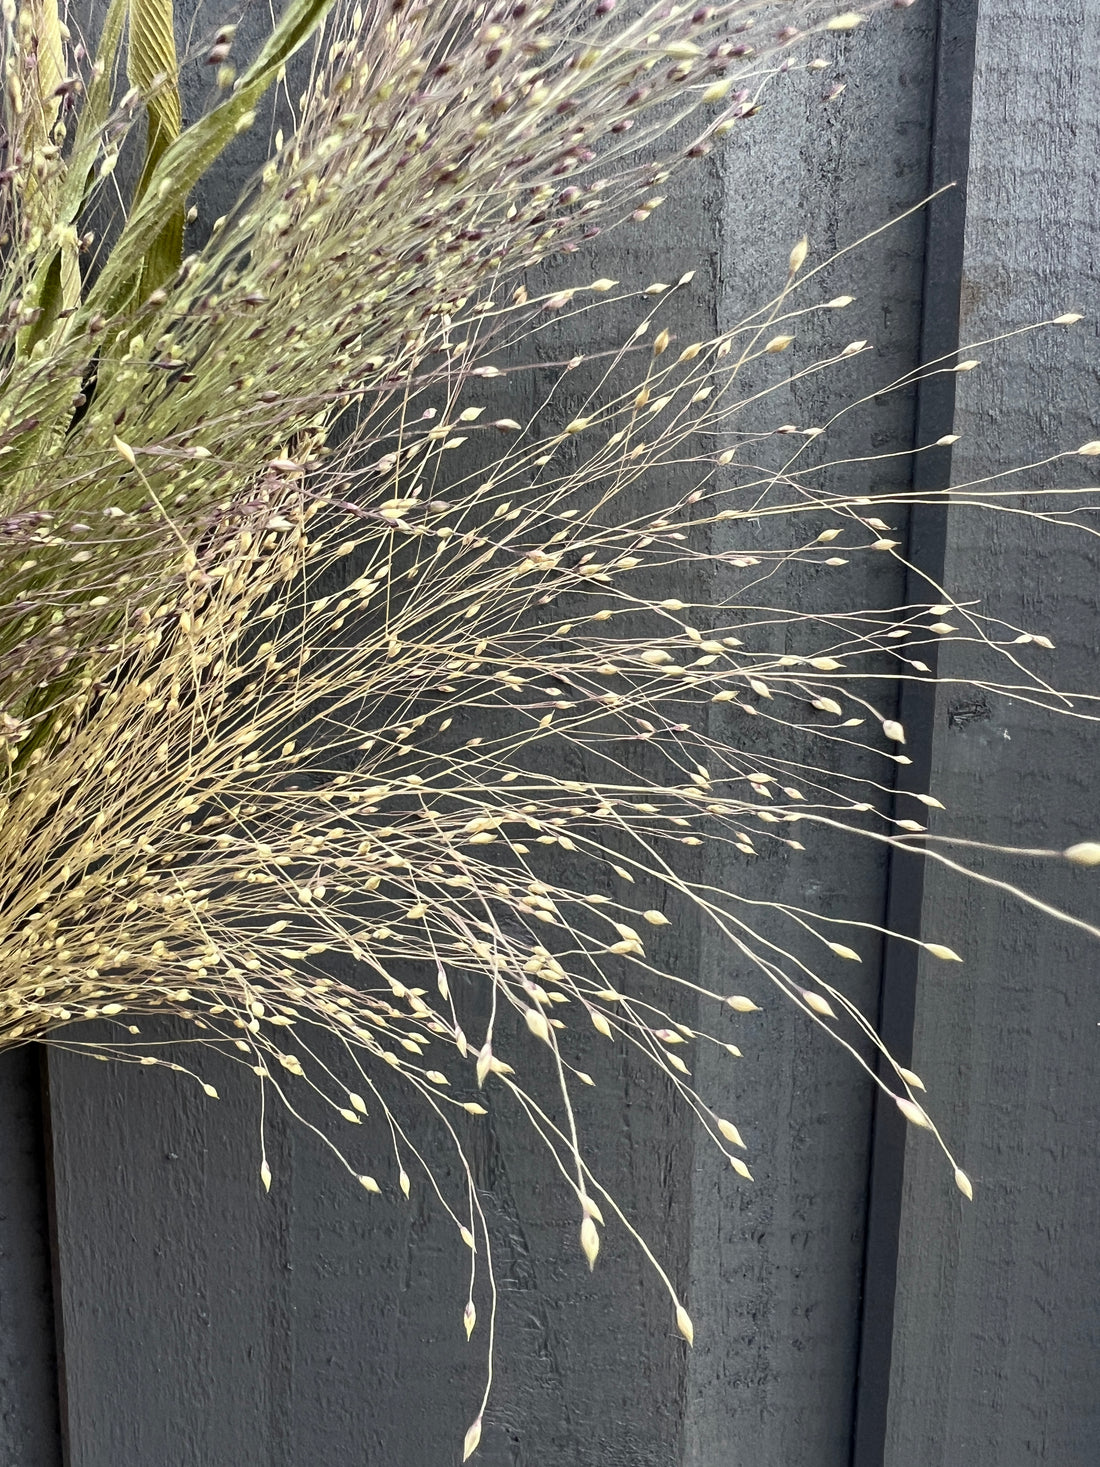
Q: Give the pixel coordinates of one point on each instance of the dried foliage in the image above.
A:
(340, 705)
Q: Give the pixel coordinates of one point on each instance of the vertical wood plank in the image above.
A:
(29, 1426)
(209, 1325)
(776, 1264)
(996, 1347)
(945, 222)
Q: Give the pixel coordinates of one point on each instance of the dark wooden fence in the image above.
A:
(156, 1310)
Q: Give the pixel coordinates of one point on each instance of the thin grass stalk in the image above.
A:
(303, 639)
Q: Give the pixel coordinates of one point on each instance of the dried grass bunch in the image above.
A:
(339, 704)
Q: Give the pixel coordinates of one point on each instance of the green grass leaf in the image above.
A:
(185, 160)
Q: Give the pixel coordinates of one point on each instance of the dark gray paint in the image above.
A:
(777, 1264)
(997, 1345)
(945, 225)
(321, 1325)
(29, 1426)
(206, 1324)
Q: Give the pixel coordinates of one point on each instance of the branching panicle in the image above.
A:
(346, 713)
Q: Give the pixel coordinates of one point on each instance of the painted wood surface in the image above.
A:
(29, 1424)
(777, 1265)
(205, 1324)
(997, 1333)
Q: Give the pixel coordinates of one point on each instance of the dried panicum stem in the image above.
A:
(291, 701)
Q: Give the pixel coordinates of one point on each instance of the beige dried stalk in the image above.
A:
(312, 737)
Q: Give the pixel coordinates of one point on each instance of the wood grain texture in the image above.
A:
(997, 1344)
(776, 1264)
(925, 552)
(29, 1425)
(209, 1325)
